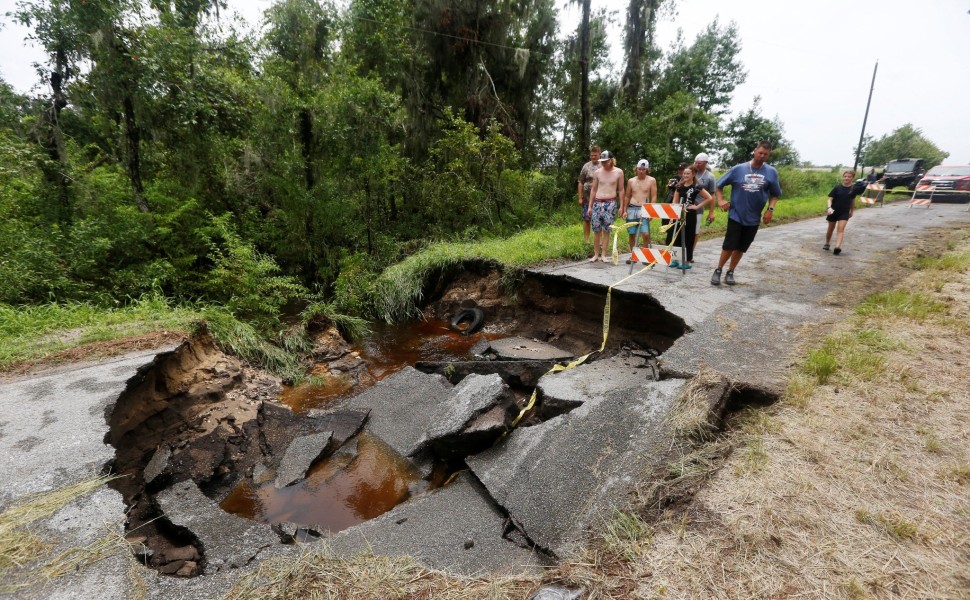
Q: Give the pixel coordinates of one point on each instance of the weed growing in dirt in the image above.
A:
(892, 523)
(626, 535)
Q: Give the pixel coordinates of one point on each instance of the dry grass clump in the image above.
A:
(324, 576)
(27, 560)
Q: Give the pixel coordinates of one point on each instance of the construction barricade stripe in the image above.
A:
(662, 210)
(649, 255)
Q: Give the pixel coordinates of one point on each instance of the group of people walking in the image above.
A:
(754, 185)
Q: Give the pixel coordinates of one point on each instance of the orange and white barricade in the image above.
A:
(650, 255)
(878, 189)
(662, 210)
(922, 188)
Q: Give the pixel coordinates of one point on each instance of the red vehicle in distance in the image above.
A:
(950, 182)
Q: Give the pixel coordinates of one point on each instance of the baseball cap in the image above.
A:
(643, 163)
(702, 157)
(682, 166)
(605, 155)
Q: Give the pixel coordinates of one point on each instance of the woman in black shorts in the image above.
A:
(841, 205)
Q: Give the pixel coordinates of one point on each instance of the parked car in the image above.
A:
(906, 171)
(947, 180)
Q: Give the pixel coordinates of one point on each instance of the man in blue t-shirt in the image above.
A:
(753, 184)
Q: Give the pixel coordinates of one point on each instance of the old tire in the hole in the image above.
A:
(467, 320)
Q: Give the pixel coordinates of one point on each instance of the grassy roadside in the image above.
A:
(855, 485)
(40, 332)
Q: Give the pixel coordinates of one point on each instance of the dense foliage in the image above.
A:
(174, 154)
(904, 142)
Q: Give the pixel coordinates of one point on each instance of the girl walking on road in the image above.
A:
(841, 204)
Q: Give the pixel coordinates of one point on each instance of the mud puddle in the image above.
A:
(336, 493)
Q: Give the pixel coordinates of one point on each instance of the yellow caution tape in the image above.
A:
(606, 321)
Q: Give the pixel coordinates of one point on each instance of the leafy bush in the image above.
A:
(796, 182)
(246, 281)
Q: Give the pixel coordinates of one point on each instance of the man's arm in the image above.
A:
(619, 183)
(625, 200)
(592, 193)
(652, 191)
(579, 191)
(770, 212)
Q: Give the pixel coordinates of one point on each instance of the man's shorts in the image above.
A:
(738, 236)
(633, 214)
(604, 213)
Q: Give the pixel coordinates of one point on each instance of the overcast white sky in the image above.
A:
(811, 63)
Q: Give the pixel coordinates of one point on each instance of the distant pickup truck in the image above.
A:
(905, 171)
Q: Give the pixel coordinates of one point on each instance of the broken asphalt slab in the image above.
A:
(456, 529)
(227, 541)
(300, 455)
(557, 478)
(564, 391)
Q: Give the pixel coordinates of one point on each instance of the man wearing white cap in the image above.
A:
(639, 191)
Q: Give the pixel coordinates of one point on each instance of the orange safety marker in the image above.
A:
(923, 187)
(662, 210)
(649, 255)
(875, 187)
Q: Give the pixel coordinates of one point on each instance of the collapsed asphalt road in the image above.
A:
(53, 426)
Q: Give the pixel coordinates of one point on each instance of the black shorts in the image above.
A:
(839, 215)
(738, 236)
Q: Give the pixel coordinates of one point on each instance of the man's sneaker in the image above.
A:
(729, 278)
(684, 266)
(837, 251)
(716, 277)
(825, 247)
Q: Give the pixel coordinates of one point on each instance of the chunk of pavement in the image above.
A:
(226, 541)
(344, 424)
(474, 396)
(521, 348)
(158, 464)
(456, 529)
(300, 456)
(562, 476)
(563, 391)
(402, 406)
(522, 373)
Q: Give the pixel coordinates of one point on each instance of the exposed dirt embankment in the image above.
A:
(190, 415)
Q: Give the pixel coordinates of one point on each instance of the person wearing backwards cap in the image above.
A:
(640, 190)
(607, 187)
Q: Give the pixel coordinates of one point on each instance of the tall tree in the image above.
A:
(750, 127)
(905, 142)
(584, 47)
(640, 28)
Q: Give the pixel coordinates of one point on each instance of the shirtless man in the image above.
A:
(640, 190)
(607, 188)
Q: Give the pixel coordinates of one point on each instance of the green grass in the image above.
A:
(901, 303)
(33, 332)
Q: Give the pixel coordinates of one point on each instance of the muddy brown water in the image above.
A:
(339, 493)
(387, 351)
(335, 495)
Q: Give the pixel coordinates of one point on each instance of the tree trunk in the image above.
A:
(51, 140)
(584, 110)
(641, 21)
(133, 147)
(306, 147)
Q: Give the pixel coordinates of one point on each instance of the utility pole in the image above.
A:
(858, 150)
